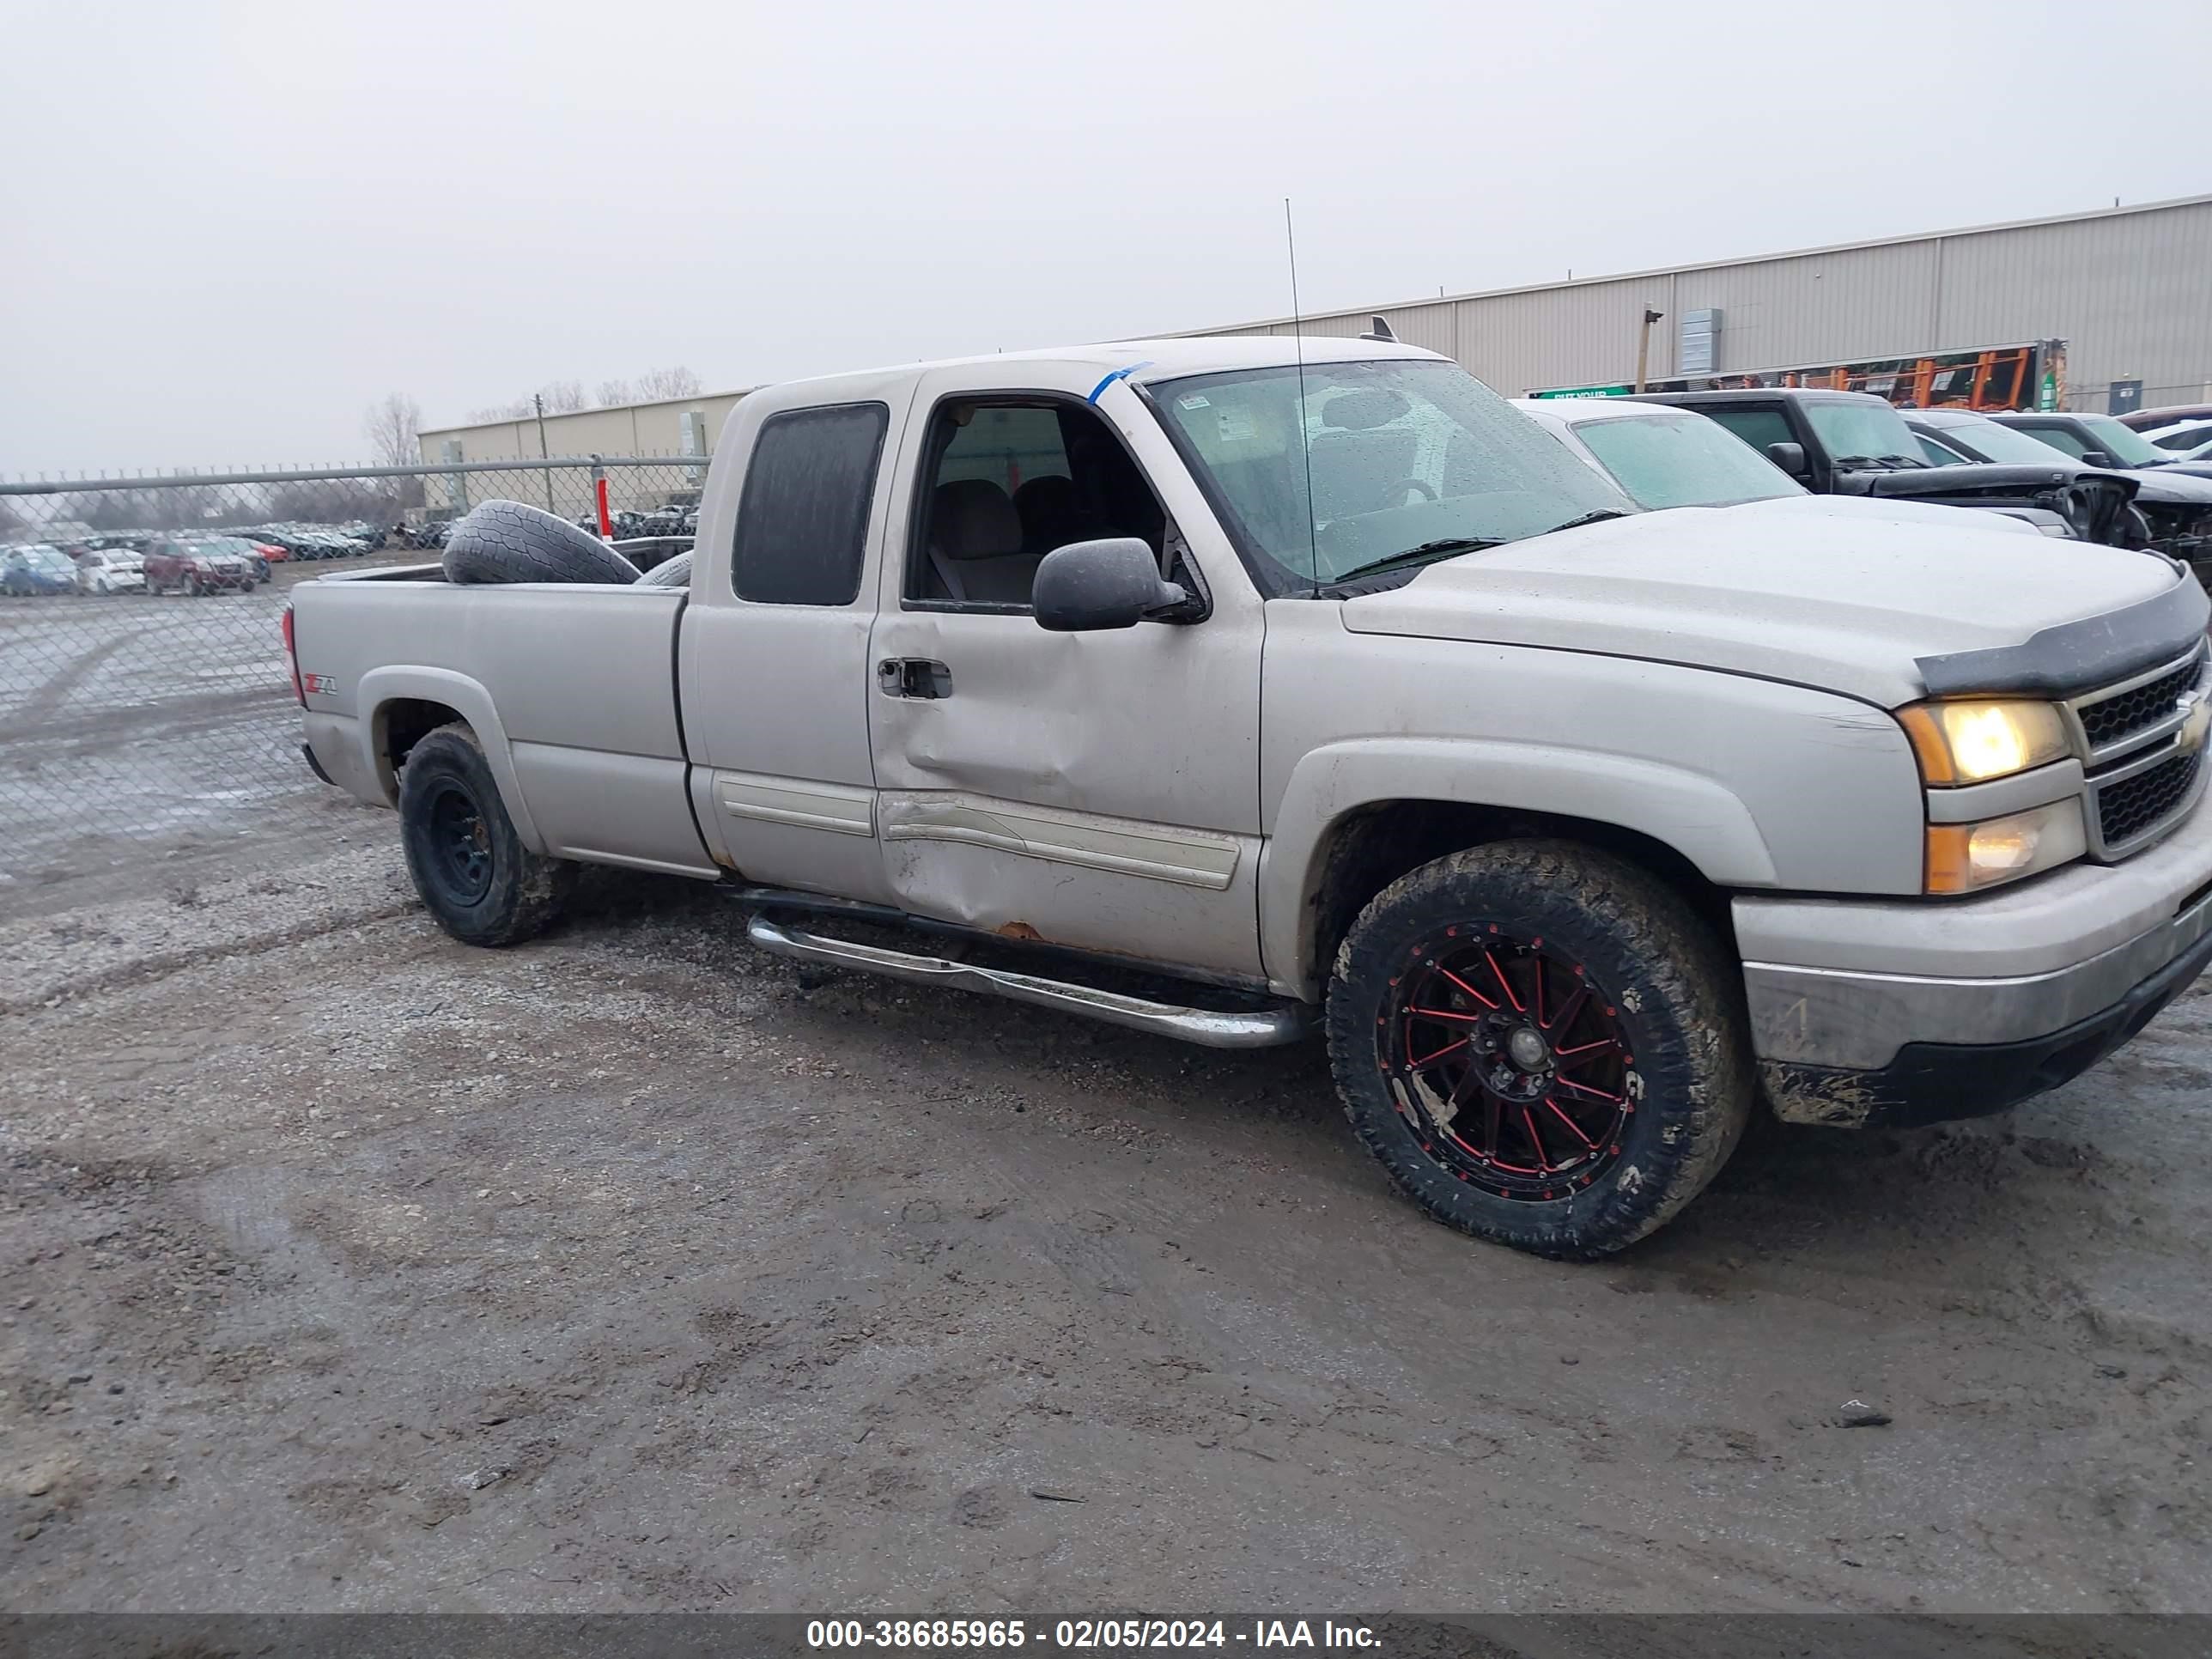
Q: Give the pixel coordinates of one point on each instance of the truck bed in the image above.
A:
(571, 687)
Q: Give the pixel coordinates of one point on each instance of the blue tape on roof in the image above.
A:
(1117, 374)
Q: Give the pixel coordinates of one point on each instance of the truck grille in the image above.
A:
(2126, 809)
(2115, 719)
(2141, 781)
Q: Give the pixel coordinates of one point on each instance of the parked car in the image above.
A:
(196, 565)
(2144, 420)
(289, 543)
(1579, 828)
(1852, 443)
(35, 570)
(2099, 440)
(1665, 458)
(2184, 439)
(111, 570)
(2176, 511)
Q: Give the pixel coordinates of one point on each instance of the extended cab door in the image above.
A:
(1098, 790)
(773, 664)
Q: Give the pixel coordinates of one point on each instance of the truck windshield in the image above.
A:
(1683, 460)
(1407, 457)
(2124, 444)
(1993, 441)
(1857, 433)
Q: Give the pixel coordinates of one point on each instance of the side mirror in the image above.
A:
(1790, 458)
(2098, 458)
(1088, 586)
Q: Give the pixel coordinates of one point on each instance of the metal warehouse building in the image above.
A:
(2129, 290)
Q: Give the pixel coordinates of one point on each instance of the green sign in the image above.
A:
(1586, 392)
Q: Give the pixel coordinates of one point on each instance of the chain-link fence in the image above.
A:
(145, 712)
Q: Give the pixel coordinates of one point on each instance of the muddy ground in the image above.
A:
(350, 1268)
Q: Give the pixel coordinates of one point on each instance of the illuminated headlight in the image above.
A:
(1973, 740)
(1964, 857)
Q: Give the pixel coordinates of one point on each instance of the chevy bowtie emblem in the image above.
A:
(2197, 718)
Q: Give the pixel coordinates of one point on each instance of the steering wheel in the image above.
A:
(1394, 495)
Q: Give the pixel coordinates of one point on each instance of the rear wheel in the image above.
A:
(1543, 1045)
(469, 863)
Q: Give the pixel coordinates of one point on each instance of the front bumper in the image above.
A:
(1899, 1011)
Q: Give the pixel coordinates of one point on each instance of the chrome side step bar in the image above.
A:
(1262, 1029)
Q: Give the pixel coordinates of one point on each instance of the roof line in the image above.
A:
(596, 409)
(1706, 264)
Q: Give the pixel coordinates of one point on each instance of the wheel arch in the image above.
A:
(403, 704)
(1356, 818)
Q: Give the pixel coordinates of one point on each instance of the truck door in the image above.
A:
(773, 665)
(1762, 425)
(1098, 790)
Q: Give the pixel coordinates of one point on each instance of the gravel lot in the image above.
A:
(350, 1268)
(140, 734)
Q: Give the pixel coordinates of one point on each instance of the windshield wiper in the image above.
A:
(1598, 517)
(1420, 555)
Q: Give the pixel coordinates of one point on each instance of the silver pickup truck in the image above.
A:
(1194, 686)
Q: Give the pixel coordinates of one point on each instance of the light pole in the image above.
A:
(1643, 346)
(537, 398)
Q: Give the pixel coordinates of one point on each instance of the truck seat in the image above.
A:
(976, 544)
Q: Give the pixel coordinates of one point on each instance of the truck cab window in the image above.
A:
(1756, 427)
(803, 519)
(1010, 481)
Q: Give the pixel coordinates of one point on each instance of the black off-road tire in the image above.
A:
(501, 893)
(512, 542)
(669, 573)
(1668, 984)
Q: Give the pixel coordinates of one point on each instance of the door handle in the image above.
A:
(913, 677)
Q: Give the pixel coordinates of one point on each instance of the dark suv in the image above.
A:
(1852, 443)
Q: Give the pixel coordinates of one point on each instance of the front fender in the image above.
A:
(1689, 813)
(379, 688)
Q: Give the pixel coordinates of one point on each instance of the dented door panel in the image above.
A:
(1098, 790)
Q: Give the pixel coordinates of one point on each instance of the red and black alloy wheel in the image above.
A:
(1543, 1044)
(1509, 1064)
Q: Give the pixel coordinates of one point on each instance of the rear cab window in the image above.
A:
(803, 518)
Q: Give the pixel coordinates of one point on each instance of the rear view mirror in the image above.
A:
(1790, 458)
(1088, 586)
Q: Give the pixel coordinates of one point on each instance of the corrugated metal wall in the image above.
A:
(2130, 290)
(630, 429)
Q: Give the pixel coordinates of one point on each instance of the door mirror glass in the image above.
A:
(1111, 583)
(1790, 458)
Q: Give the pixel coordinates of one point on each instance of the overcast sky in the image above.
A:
(229, 225)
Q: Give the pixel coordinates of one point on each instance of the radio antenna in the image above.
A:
(1298, 346)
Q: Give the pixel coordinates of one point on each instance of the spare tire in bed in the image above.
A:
(669, 573)
(513, 542)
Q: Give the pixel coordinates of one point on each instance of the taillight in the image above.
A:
(292, 659)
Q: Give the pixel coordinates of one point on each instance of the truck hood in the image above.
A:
(1842, 604)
